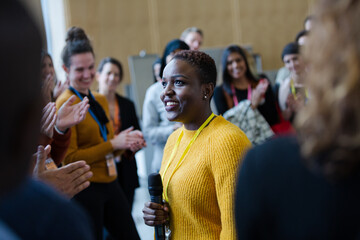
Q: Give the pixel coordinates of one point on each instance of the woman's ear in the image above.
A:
(65, 68)
(208, 90)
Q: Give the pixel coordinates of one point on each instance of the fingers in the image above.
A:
(154, 214)
(73, 166)
(70, 101)
(41, 155)
(128, 130)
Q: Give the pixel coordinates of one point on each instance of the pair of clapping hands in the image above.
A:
(68, 180)
(67, 116)
(129, 139)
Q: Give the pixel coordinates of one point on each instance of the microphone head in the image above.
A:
(155, 184)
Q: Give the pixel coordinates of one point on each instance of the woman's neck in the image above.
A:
(241, 83)
(83, 91)
(298, 79)
(110, 95)
(196, 124)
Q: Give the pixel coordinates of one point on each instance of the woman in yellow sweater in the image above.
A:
(200, 159)
(93, 140)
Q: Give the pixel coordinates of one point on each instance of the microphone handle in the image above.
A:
(159, 229)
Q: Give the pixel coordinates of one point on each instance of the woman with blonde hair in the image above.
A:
(308, 187)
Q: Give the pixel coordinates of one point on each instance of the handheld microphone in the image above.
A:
(155, 190)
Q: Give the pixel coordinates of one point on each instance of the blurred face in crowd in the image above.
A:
(236, 65)
(81, 72)
(182, 94)
(157, 68)
(109, 77)
(171, 55)
(47, 68)
(302, 40)
(194, 40)
(294, 63)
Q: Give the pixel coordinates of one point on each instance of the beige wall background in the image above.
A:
(120, 28)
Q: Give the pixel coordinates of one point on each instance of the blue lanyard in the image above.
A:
(101, 126)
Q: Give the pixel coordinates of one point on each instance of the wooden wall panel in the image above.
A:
(121, 28)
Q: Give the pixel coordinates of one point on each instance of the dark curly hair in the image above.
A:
(76, 42)
(203, 63)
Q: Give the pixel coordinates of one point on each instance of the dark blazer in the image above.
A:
(127, 168)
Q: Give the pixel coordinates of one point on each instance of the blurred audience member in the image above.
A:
(193, 37)
(156, 69)
(31, 209)
(239, 83)
(50, 83)
(157, 128)
(123, 116)
(308, 187)
(292, 93)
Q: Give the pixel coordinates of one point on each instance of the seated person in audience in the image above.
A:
(239, 83)
(157, 128)
(307, 187)
(50, 83)
(156, 70)
(292, 93)
(123, 116)
(29, 208)
(284, 72)
(193, 37)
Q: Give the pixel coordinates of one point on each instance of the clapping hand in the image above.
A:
(48, 120)
(68, 180)
(70, 115)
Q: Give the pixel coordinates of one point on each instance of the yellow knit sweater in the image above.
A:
(201, 191)
(86, 142)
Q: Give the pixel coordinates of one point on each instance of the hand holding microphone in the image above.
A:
(156, 214)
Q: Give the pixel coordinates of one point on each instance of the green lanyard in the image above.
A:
(184, 153)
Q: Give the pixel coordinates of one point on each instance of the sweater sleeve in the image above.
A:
(90, 154)
(224, 165)
(59, 146)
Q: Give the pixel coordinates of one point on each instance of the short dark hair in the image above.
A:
(113, 61)
(290, 48)
(203, 63)
(171, 47)
(76, 42)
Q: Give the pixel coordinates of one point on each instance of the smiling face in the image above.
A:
(183, 92)
(194, 40)
(294, 63)
(236, 66)
(47, 68)
(81, 72)
(109, 78)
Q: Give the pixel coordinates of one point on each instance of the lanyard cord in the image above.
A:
(184, 153)
(101, 126)
(235, 99)
(293, 90)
